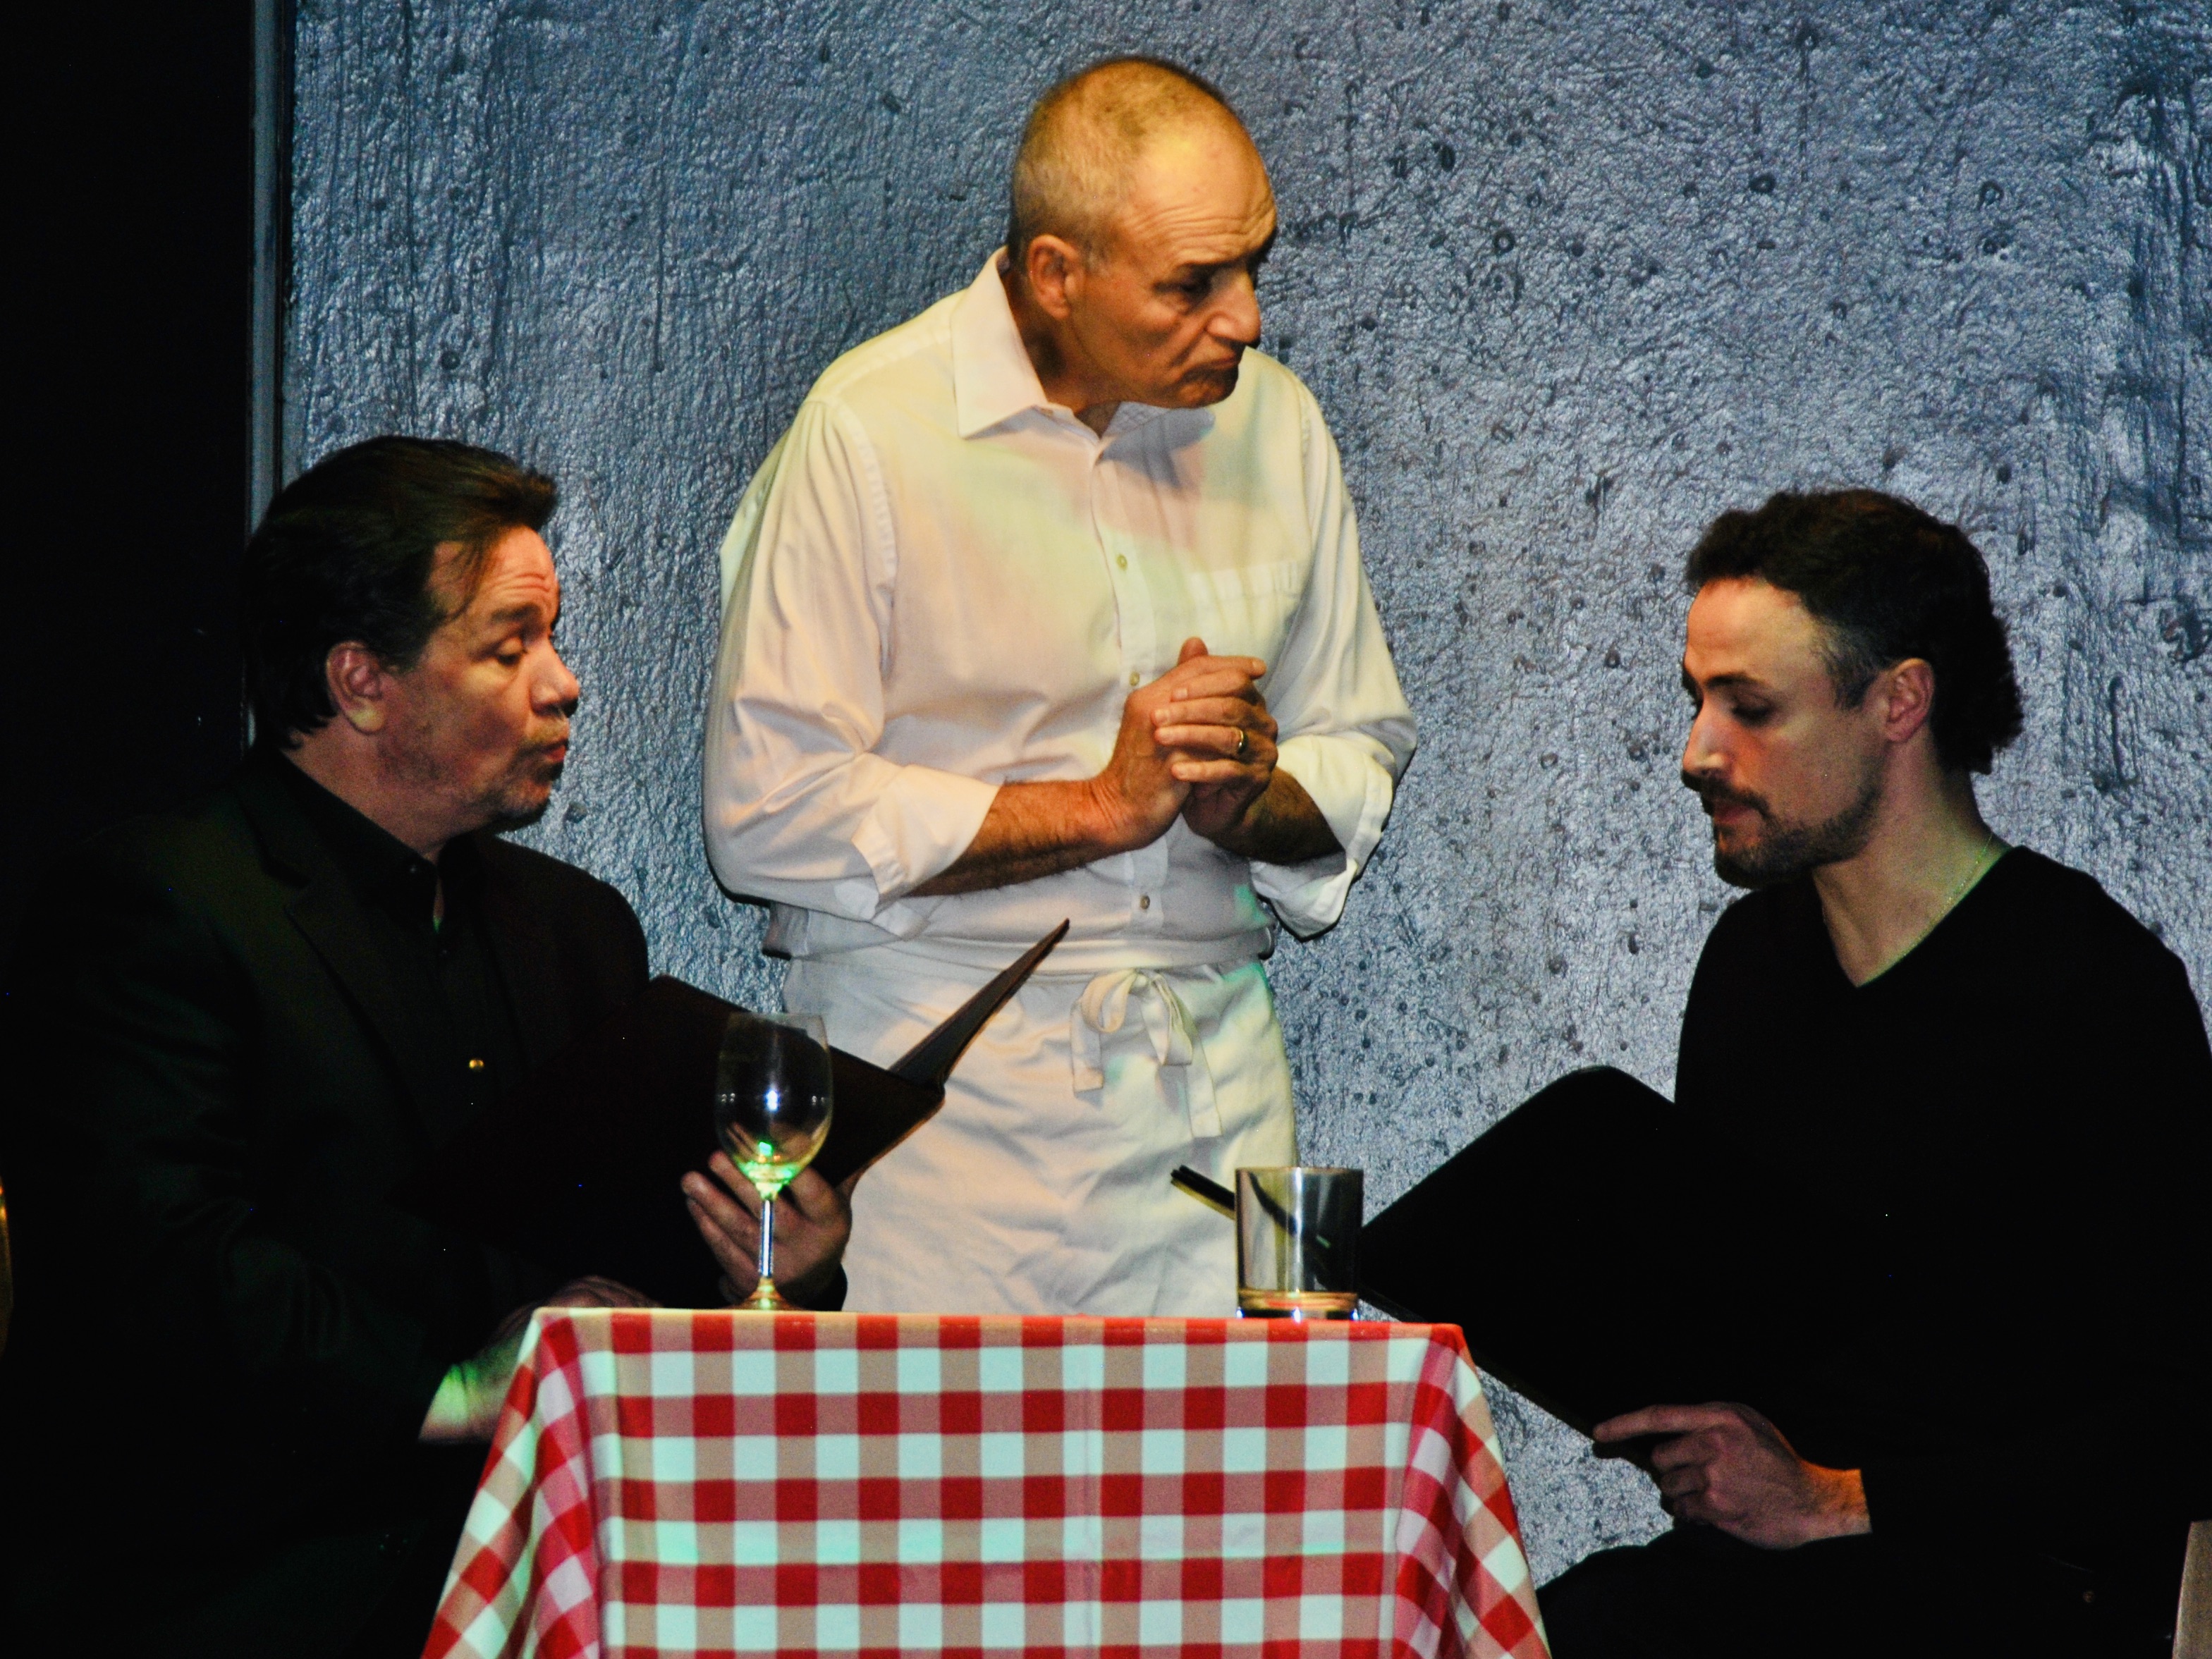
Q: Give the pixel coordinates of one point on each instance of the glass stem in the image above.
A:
(768, 1240)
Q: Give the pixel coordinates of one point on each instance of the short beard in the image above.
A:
(511, 807)
(505, 819)
(1787, 850)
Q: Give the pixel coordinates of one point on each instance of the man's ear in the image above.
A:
(1053, 265)
(357, 681)
(1908, 695)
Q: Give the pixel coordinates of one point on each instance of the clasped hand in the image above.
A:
(1727, 1467)
(1197, 743)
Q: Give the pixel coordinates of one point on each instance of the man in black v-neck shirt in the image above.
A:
(1956, 1105)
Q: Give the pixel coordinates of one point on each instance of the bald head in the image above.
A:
(1141, 215)
(1087, 138)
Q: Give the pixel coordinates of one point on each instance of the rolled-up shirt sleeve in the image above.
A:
(1346, 731)
(798, 809)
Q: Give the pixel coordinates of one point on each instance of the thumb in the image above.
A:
(1193, 647)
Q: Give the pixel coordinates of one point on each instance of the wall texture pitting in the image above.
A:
(1568, 280)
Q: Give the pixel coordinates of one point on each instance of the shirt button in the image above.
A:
(476, 1066)
(1133, 676)
(1122, 559)
(1145, 902)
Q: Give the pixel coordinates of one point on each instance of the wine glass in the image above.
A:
(772, 1115)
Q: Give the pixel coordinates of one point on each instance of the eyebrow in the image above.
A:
(1208, 267)
(516, 613)
(1720, 681)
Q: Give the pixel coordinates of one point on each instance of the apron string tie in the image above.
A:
(1168, 1031)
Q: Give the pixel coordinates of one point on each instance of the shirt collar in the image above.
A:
(992, 379)
(385, 869)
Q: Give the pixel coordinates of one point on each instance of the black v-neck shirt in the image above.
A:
(1977, 1194)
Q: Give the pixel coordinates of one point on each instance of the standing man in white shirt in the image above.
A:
(1049, 605)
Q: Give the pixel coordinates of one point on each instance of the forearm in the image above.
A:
(1034, 830)
(1281, 826)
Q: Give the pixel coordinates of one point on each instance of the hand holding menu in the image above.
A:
(579, 1169)
(1553, 1244)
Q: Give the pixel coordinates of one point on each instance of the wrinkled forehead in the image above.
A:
(1196, 192)
(514, 574)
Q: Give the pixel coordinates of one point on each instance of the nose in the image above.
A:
(1702, 756)
(557, 688)
(1237, 320)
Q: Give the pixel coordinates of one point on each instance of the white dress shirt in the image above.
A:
(939, 582)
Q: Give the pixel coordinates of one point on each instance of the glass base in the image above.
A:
(766, 1298)
(1296, 1304)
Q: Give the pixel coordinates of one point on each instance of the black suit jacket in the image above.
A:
(227, 1334)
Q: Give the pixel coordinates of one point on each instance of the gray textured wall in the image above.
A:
(1568, 280)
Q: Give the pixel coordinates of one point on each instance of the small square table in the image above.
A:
(670, 1483)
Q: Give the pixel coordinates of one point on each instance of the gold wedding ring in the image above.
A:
(1242, 744)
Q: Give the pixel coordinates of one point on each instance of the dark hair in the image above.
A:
(1886, 581)
(346, 552)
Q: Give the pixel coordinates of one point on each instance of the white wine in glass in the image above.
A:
(772, 1115)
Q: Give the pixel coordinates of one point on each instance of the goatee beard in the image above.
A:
(1787, 850)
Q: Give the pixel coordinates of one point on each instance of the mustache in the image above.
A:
(1710, 793)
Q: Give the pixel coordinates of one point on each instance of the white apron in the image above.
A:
(1042, 1186)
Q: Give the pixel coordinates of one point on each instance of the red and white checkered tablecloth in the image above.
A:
(671, 1483)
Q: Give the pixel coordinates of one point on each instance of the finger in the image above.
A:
(741, 1264)
(1680, 1484)
(711, 1203)
(1215, 676)
(1758, 1427)
(723, 1180)
(812, 1197)
(729, 1245)
(1193, 647)
(1243, 743)
(1694, 1506)
(1682, 1451)
(1198, 772)
(1660, 1420)
(609, 1293)
(1245, 712)
(1711, 1506)
(733, 1178)
(593, 1292)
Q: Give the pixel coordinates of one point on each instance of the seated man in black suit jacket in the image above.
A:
(1957, 1109)
(246, 1394)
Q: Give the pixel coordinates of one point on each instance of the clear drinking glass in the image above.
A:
(1297, 1238)
(772, 1115)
